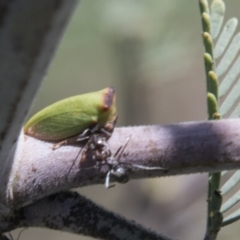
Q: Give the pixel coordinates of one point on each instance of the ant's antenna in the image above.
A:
(119, 171)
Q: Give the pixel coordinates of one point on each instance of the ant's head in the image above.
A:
(120, 174)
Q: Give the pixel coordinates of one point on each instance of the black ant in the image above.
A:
(102, 154)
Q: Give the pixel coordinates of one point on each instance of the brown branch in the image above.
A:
(71, 212)
(185, 148)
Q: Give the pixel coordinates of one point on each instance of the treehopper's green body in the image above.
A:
(71, 116)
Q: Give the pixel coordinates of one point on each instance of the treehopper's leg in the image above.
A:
(107, 130)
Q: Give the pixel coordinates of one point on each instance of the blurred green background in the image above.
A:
(151, 52)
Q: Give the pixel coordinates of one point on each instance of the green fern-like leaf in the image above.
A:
(227, 66)
(221, 64)
(211, 23)
(217, 16)
(225, 37)
(229, 56)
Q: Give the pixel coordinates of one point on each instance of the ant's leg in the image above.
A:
(106, 132)
(147, 168)
(107, 181)
(83, 136)
(79, 153)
